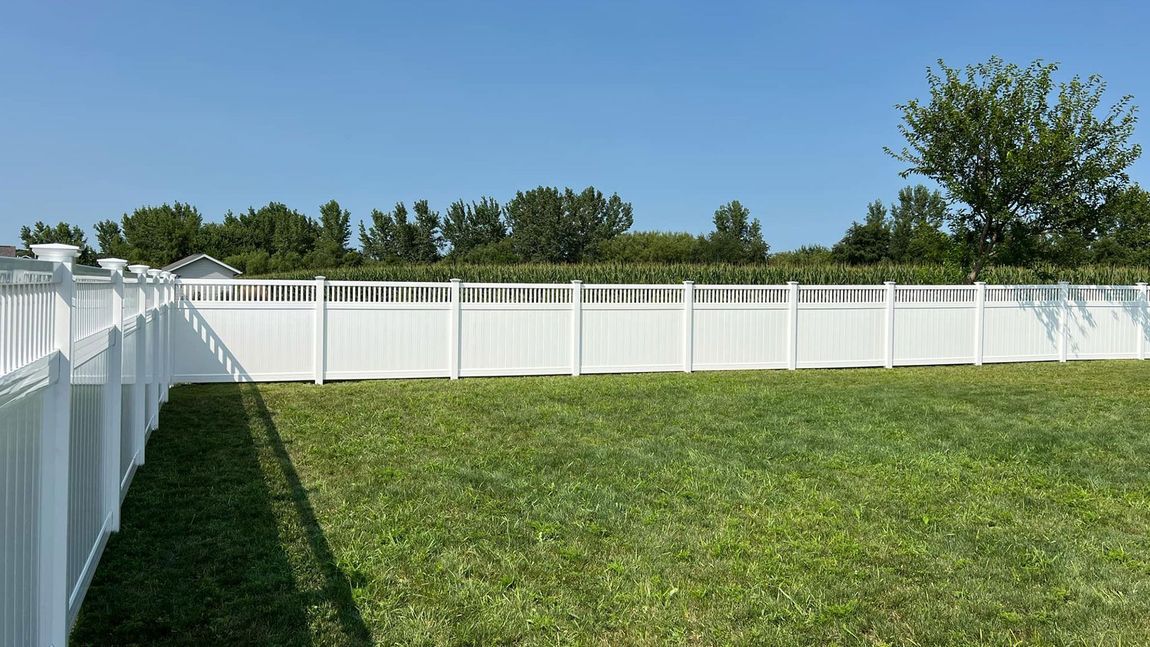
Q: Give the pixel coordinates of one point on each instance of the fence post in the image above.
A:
(54, 454)
(1063, 318)
(113, 392)
(1143, 326)
(454, 329)
(576, 327)
(140, 388)
(162, 337)
(320, 343)
(169, 314)
(688, 326)
(154, 341)
(888, 329)
(792, 325)
(979, 320)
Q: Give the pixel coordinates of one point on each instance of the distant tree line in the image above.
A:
(545, 224)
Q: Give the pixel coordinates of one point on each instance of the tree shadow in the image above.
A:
(219, 543)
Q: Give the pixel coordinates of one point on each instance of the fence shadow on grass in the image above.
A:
(219, 543)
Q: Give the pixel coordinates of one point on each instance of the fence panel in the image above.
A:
(1022, 323)
(20, 438)
(515, 329)
(235, 331)
(384, 330)
(841, 326)
(739, 327)
(632, 328)
(63, 434)
(948, 312)
(1104, 322)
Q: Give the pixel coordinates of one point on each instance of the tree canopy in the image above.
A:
(62, 233)
(1026, 157)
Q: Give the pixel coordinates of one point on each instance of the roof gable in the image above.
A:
(188, 260)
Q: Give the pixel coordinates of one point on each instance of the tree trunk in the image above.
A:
(983, 250)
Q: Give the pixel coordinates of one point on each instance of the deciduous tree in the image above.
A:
(467, 226)
(737, 237)
(62, 233)
(1024, 154)
(564, 226)
(866, 242)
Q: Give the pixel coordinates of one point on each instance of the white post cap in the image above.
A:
(154, 272)
(56, 252)
(138, 269)
(888, 283)
(114, 264)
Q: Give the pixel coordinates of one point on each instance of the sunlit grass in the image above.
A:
(993, 505)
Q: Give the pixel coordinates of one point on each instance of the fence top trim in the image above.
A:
(25, 271)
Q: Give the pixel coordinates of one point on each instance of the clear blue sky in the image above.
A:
(678, 107)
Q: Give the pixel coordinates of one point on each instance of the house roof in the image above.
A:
(188, 260)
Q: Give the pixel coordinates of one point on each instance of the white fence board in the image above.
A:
(840, 337)
(1103, 331)
(521, 341)
(264, 342)
(617, 340)
(20, 518)
(951, 340)
(739, 337)
(408, 341)
(1021, 332)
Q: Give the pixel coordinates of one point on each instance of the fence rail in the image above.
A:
(84, 368)
(87, 355)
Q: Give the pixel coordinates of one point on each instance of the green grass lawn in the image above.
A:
(994, 505)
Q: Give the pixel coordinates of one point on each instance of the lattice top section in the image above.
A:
(542, 294)
(352, 292)
(739, 294)
(934, 294)
(1113, 293)
(247, 292)
(23, 271)
(634, 294)
(1027, 293)
(844, 295)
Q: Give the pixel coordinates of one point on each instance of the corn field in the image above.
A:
(723, 274)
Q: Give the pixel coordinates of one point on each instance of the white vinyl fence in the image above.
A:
(84, 368)
(87, 354)
(241, 330)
